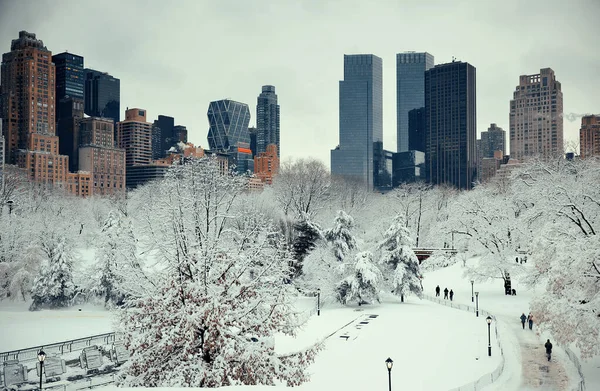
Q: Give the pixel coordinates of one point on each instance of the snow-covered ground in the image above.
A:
(433, 347)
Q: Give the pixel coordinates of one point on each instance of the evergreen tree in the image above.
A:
(308, 234)
(54, 287)
(363, 284)
(340, 236)
(398, 257)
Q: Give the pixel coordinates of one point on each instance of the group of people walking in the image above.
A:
(528, 319)
(446, 293)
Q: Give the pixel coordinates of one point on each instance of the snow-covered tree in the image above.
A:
(220, 295)
(53, 287)
(363, 284)
(340, 236)
(399, 260)
(308, 233)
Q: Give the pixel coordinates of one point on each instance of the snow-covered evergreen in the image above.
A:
(308, 233)
(363, 284)
(399, 260)
(340, 237)
(54, 287)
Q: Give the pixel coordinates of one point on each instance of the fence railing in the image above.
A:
(488, 378)
(575, 360)
(30, 354)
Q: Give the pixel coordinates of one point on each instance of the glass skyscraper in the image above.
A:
(410, 90)
(267, 120)
(361, 120)
(102, 95)
(69, 75)
(228, 132)
(451, 124)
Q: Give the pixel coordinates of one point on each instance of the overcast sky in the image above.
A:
(174, 57)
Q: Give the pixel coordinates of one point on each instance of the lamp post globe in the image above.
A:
(489, 323)
(389, 363)
(477, 304)
(41, 358)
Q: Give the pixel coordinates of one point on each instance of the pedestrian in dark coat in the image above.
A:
(437, 291)
(548, 347)
(523, 320)
(445, 293)
(451, 294)
(530, 320)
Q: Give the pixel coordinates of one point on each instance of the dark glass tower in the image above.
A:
(451, 124)
(102, 95)
(410, 90)
(361, 120)
(494, 139)
(416, 130)
(163, 136)
(267, 120)
(228, 132)
(69, 75)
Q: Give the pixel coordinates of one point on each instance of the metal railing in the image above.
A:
(488, 378)
(30, 354)
(575, 360)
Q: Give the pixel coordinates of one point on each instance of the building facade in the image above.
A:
(228, 133)
(28, 112)
(416, 129)
(408, 167)
(360, 119)
(492, 140)
(451, 124)
(266, 164)
(267, 120)
(69, 75)
(134, 135)
(163, 136)
(102, 95)
(69, 115)
(99, 157)
(536, 122)
(589, 136)
(410, 91)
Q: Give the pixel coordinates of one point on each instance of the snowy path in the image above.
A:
(538, 373)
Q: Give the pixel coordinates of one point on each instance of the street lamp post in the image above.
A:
(10, 206)
(489, 322)
(389, 364)
(472, 298)
(41, 358)
(477, 304)
(319, 302)
(452, 240)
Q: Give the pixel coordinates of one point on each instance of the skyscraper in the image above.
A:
(267, 120)
(69, 115)
(410, 90)
(536, 123)
(102, 95)
(134, 135)
(27, 109)
(361, 120)
(69, 75)
(589, 136)
(163, 136)
(228, 132)
(416, 129)
(451, 124)
(494, 139)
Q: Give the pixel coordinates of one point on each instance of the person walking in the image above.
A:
(523, 320)
(548, 347)
(437, 291)
(445, 293)
(451, 294)
(530, 320)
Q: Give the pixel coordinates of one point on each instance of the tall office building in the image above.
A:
(99, 157)
(163, 136)
(102, 95)
(410, 91)
(180, 134)
(267, 120)
(451, 123)
(266, 164)
(361, 121)
(416, 129)
(252, 133)
(589, 136)
(134, 135)
(69, 75)
(536, 123)
(228, 132)
(27, 109)
(492, 140)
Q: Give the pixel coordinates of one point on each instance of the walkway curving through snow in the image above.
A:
(537, 371)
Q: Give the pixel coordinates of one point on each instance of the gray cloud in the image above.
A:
(175, 57)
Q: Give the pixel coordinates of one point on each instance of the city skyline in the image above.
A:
(305, 74)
